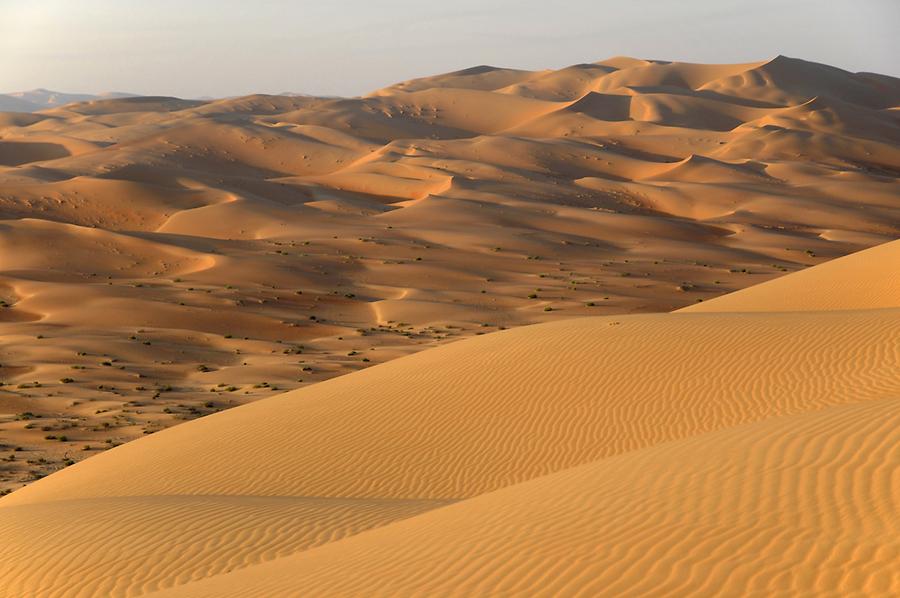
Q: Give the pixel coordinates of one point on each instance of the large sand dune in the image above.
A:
(162, 259)
(165, 260)
(750, 448)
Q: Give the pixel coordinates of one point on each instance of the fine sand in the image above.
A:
(729, 449)
(164, 259)
(695, 411)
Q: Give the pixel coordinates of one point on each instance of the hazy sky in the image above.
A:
(193, 48)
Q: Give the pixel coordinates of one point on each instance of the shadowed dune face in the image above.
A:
(163, 259)
(14, 153)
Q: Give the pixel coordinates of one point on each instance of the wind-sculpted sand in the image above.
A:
(652, 392)
(719, 452)
(778, 508)
(163, 259)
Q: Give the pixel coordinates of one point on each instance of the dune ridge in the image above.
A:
(676, 294)
(701, 453)
(163, 259)
(823, 287)
(769, 517)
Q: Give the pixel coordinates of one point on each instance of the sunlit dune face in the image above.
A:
(164, 260)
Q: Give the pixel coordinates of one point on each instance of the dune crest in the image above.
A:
(164, 259)
(874, 273)
(613, 430)
(675, 289)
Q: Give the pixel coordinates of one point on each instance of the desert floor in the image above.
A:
(164, 260)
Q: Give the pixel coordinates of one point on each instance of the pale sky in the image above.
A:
(192, 48)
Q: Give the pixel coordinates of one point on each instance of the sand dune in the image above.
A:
(614, 392)
(566, 447)
(189, 538)
(776, 508)
(287, 274)
(876, 285)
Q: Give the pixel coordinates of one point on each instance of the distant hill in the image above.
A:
(41, 99)
(10, 103)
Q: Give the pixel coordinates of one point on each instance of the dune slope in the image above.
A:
(164, 259)
(706, 453)
(802, 505)
(868, 279)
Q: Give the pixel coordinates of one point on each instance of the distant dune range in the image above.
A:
(36, 100)
(164, 259)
